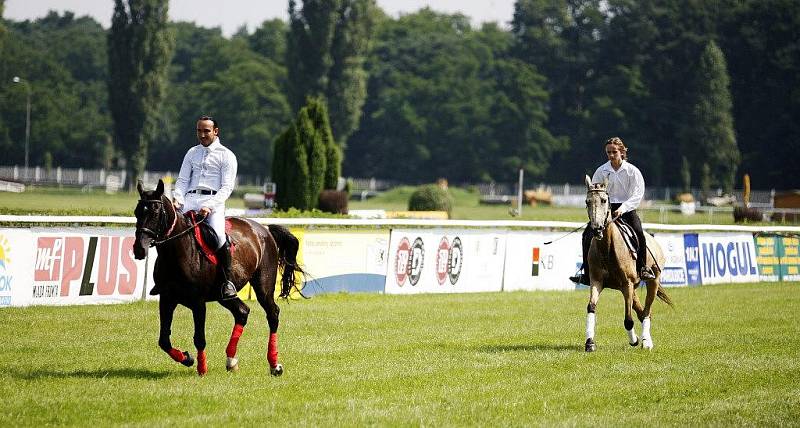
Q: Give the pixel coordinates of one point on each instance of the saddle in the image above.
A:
(629, 236)
(206, 238)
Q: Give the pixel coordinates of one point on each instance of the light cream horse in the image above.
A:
(611, 265)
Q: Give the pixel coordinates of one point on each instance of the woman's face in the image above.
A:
(614, 154)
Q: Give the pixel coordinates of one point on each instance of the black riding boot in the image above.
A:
(586, 241)
(227, 289)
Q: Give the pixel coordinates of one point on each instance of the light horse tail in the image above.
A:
(661, 294)
(288, 246)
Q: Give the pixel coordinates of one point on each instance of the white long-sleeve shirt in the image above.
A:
(210, 168)
(625, 185)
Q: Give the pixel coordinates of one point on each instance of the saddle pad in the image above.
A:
(207, 239)
(629, 236)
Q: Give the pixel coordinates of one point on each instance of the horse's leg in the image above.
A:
(199, 317)
(637, 306)
(240, 311)
(627, 293)
(263, 283)
(595, 288)
(652, 289)
(166, 310)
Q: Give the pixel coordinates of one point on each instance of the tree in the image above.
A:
(327, 45)
(710, 132)
(301, 158)
(140, 47)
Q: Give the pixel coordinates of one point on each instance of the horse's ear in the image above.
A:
(160, 187)
(139, 186)
(588, 181)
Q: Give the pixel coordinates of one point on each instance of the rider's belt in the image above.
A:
(203, 191)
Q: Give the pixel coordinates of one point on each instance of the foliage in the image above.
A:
(446, 101)
(443, 99)
(327, 45)
(711, 131)
(504, 359)
(140, 48)
(431, 197)
(303, 154)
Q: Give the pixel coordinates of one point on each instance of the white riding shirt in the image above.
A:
(211, 168)
(625, 185)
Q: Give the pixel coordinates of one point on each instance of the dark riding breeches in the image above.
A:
(630, 217)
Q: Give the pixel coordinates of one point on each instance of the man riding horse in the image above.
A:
(205, 182)
(625, 192)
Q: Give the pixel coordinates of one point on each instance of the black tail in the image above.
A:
(288, 245)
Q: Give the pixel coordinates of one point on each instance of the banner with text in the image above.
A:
(727, 257)
(350, 261)
(531, 264)
(89, 265)
(445, 261)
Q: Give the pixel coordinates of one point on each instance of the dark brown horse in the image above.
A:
(185, 276)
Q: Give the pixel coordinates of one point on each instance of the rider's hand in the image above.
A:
(616, 213)
(177, 204)
(205, 211)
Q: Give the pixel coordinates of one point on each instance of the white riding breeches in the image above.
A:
(194, 201)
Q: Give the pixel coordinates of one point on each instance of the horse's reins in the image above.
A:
(155, 242)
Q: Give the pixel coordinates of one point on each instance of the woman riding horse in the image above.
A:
(612, 266)
(186, 275)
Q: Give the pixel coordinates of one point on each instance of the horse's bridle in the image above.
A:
(157, 239)
(608, 218)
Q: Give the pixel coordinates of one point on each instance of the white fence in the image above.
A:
(57, 265)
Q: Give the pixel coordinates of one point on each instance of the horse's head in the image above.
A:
(597, 206)
(152, 222)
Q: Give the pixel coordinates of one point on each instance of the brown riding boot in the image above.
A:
(646, 274)
(227, 288)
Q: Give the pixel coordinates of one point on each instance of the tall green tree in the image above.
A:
(328, 42)
(710, 133)
(140, 48)
(306, 158)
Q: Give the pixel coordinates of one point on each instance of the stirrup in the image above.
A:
(580, 278)
(646, 274)
(228, 291)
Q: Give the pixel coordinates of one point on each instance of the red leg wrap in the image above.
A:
(272, 350)
(234, 342)
(202, 365)
(176, 354)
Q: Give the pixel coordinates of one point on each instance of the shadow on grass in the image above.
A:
(531, 347)
(90, 374)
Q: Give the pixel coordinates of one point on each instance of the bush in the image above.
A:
(431, 197)
(332, 201)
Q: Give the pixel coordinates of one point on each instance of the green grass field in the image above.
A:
(66, 201)
(725, 356)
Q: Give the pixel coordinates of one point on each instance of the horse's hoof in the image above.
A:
(277, 370)
(634, 344)
(590, 346)
(232, 364)
(647, 344)
(188, 361)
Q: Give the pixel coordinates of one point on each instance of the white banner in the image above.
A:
(727, 257)
(673, 273)
(532, 265)
(16, 258)
(445, 261)
(79, 266)
(344, 260)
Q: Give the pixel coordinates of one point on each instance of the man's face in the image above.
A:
(206, 133)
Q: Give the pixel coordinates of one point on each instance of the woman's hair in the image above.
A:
(620, 146)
